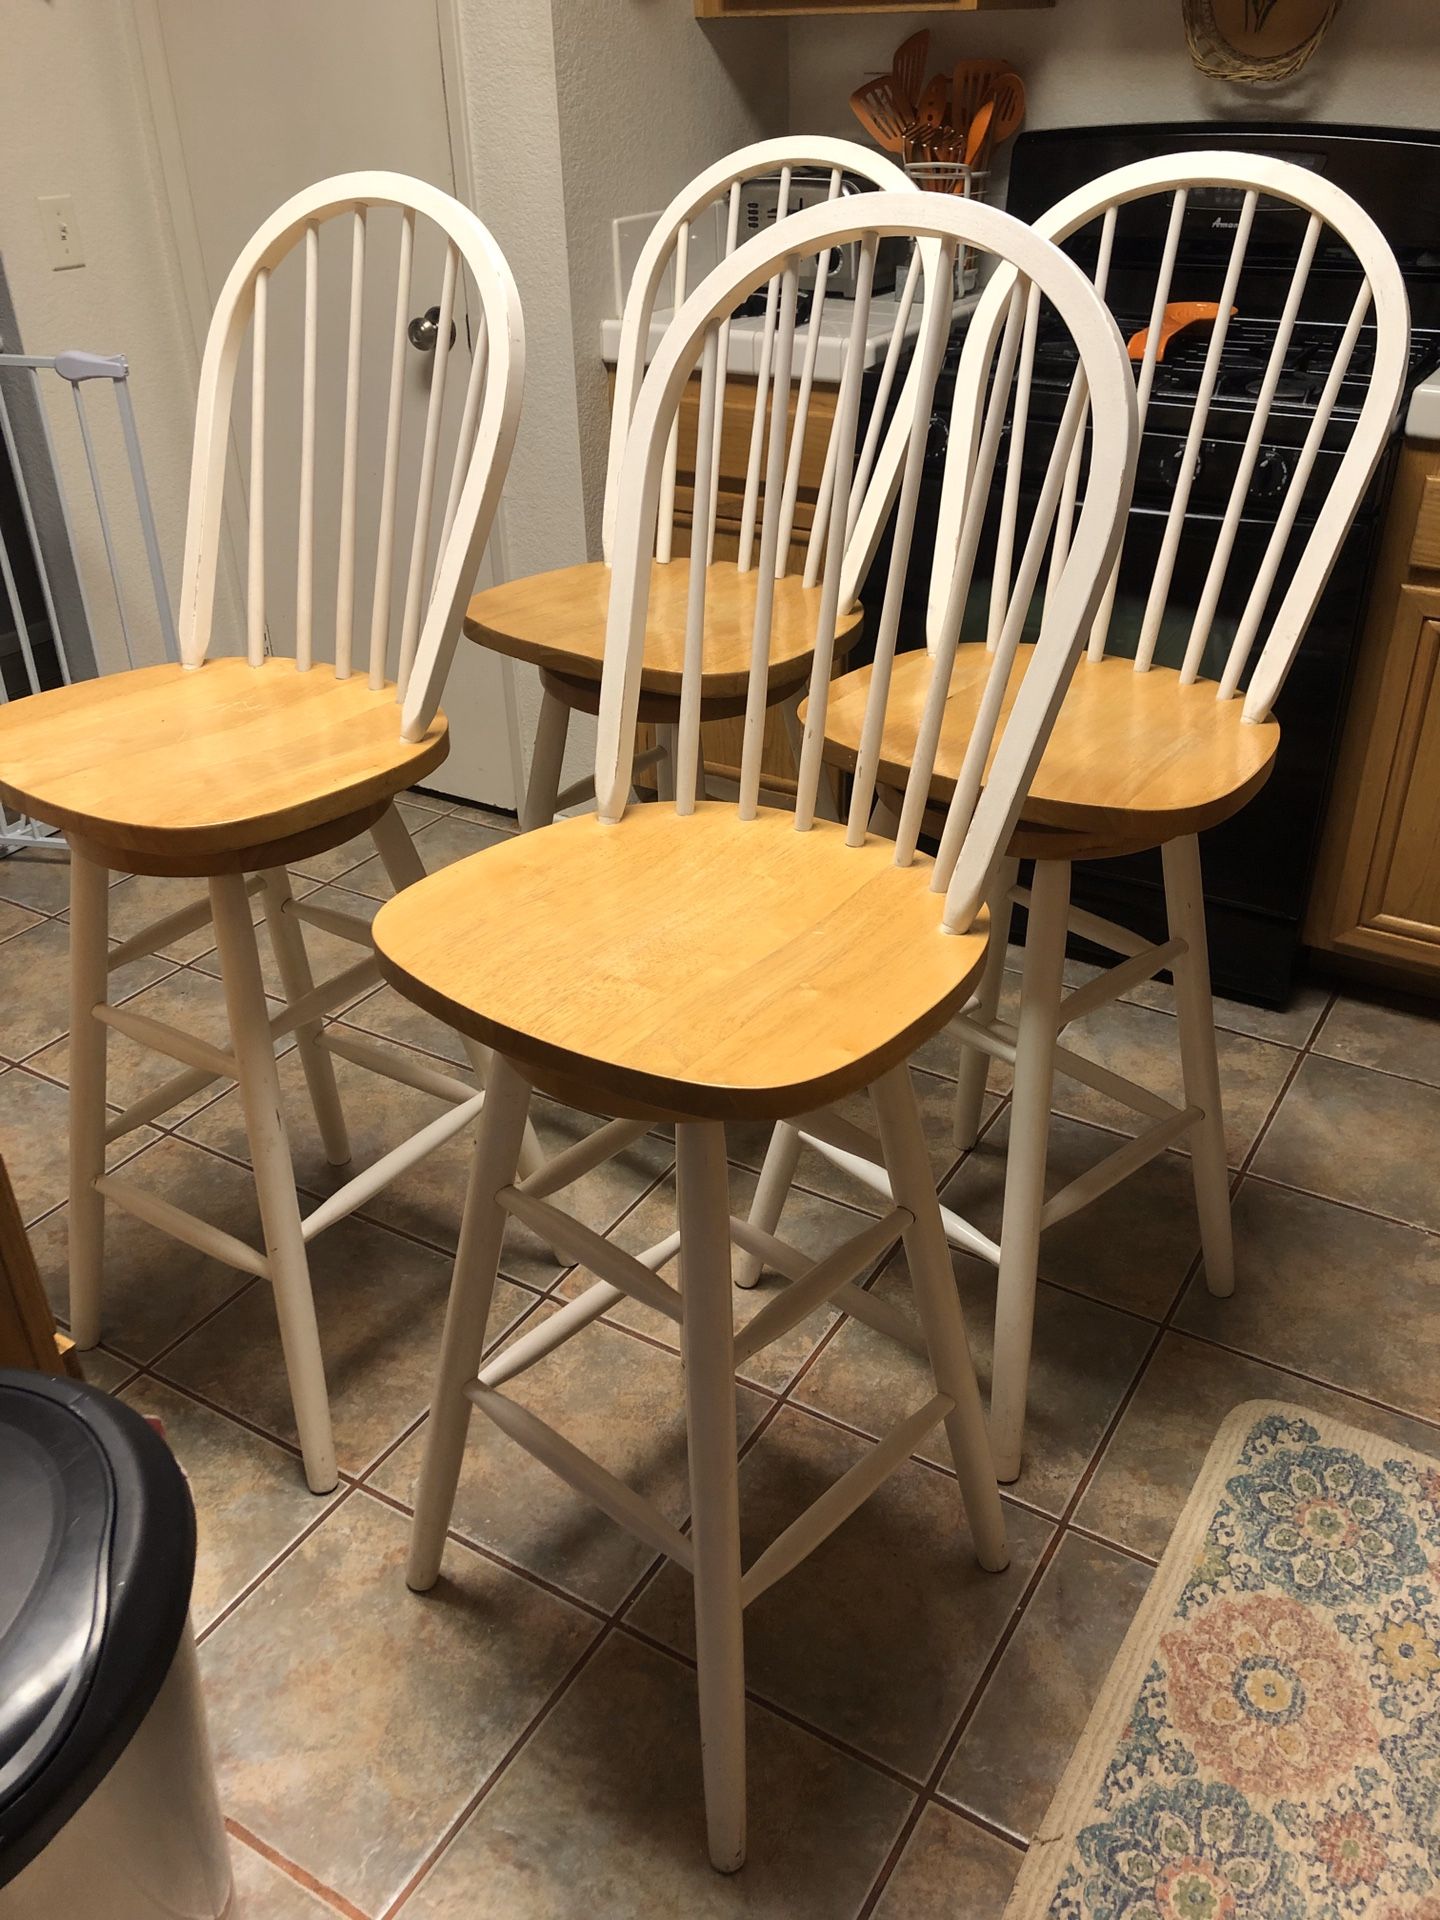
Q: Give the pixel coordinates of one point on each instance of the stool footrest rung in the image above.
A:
(174, 1042)
(159, 1100)
(1117, 1166)
(628, 1508)
(569, 1235)
(1113, 981)
(838, 1502)
(404, 1067)
(533, 1345)
(816, 1283)
(170, 926)
(389, 1166)
(567, 1166)
(326, 997)
(186, 1227)
(334, 920)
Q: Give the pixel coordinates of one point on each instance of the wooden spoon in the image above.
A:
(885, 115)
(908, 67)
(932, 109)
(974, 82)
(978, 132)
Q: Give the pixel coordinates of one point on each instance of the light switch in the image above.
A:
(62, 236)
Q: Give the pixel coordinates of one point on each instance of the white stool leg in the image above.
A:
(707, 1333)
(89, 988)
(974, 1065)
(777, 1176)
(403, 864)
(274, 1176)
(543, 787)
(1040, 992)
(1185, 907)
(288, 940)
(932, 1274)
(477, 1262)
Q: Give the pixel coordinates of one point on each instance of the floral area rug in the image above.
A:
(1267, 1744)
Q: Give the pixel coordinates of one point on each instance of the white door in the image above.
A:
(265, 98)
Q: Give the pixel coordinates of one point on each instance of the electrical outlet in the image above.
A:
(62, 235)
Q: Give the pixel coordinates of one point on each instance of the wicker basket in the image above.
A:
(1255, 40)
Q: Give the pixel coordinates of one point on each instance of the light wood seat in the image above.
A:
(171, 769)
(557, 622)
(1136, 759)
(615, 958)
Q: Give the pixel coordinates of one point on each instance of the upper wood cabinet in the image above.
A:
(1377, 891)
(767, 9)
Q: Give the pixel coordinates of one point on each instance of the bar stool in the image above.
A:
(708, 961)
(556, 620)
(1146, 753)
(227, 768)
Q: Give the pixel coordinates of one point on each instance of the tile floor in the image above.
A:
(522, 1742)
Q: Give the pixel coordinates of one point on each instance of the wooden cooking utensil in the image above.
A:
(883, 112)
(908, 67)
(974, 82)
(932, 109)
(977, 134)
(1009, 91)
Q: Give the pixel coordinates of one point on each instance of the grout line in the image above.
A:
(300, 1875)
(332, 1504)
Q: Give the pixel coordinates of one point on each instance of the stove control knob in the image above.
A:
(939, 438)
(1272, 475)
(1171, 462)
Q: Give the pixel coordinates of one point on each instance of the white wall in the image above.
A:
(73, 120)
(1091, 61)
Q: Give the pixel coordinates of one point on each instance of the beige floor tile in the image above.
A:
(186, 999)
(329, 954)
(106, 1370)
(34, 1119)
(352, 1720)
(266, 1892)
(250, 1502)
(1387, 1031)
(428, 1199)
(950, 1868)
(380, 1302)
(1358, 1136)
(747, 1141)
(1291, 1025)
(37, 877)
(602, 1814)
(882, 1634)
(1036, 1703)
(1353, 1300)
(1132, 1248)
(616, 1398)
(1085, 1356)
(155, 1287)
(814, 1225)
(1143, 1045)
(439, 841)
(35, 969)
(1149, 1467)
(393, 1017)
(15, 920)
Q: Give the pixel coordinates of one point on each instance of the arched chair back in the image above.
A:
(1014, 719)
(1344, 275)
(384, 563)
(712, 217)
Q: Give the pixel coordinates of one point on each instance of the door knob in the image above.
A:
(424, 330)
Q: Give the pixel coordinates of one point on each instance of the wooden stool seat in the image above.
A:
(728, 969)
(557, 622)
(172, 769)
(1136, 759)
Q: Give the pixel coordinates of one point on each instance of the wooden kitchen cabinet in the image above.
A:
(1377, 894)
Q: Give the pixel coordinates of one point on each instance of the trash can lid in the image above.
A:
(97, 1555)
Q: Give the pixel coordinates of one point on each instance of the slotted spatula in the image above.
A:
(1009, 93)
(908, 67)
(974, 82)
(932, 109)
(885, 115)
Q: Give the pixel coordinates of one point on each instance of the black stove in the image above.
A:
(1258, 866)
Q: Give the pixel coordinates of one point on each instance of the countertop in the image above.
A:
(835, 323)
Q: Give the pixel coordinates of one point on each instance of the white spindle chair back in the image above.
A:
(431, 542)
(773, 472)
(1379, 301)
(979, 822)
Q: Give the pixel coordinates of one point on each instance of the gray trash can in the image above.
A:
(107, 1796)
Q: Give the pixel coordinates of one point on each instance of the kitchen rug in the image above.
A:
(1267, 1744)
